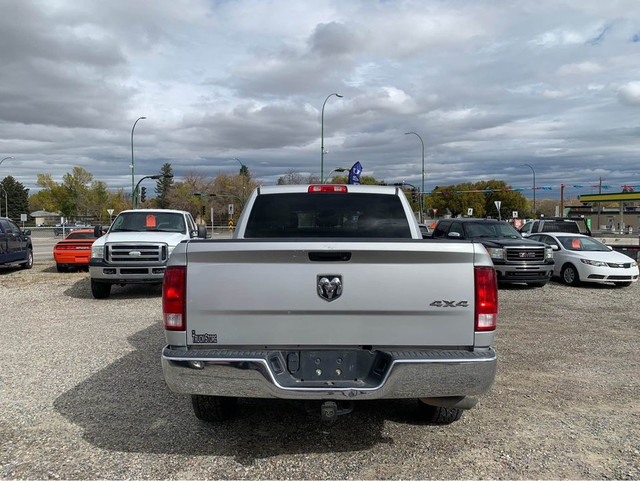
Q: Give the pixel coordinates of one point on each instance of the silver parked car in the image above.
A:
(580, 258)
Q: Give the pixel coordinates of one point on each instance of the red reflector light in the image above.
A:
(327, 188)
(486, 285)
(173, 291)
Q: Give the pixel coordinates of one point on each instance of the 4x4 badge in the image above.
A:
(329, 287)
(444, 303)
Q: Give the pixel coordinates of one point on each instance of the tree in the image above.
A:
(232, 189)
(163, 187)
(77, 184)
(77, 195)
(344, 179)
(481, 196)
(182, 194)
(510, 201)
(118, 201)
(292, 176)
(97, 199)
(456, 200)
(546, 207)
(17, 198)
(55, 197)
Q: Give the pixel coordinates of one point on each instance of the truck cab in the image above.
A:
(555, 224)
(137, 246)
(516, 259)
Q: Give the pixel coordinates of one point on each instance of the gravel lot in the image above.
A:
(82, 396)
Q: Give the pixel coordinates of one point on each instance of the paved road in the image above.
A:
(43, 247)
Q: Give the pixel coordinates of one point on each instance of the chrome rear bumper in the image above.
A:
(251, 373)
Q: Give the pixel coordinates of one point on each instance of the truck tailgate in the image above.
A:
(393, 293)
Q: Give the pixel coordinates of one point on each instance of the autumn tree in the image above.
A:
(55, 197)
(78, 194)
(97, 200)
(455, 200)
(292, 176)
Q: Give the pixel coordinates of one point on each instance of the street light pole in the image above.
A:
(534, 187)
(322, 136)
(337, 169)
(133, 201)
(243, 172)
(6, 201)
(422, 189)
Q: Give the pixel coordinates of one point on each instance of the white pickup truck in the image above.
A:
(329, 293)
(137, 246)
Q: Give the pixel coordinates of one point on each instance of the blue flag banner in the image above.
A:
(354, 173)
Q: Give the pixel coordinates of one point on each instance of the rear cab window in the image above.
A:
(561, 226)
(294, 215)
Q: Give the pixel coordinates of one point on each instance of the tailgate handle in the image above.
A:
(329, 256)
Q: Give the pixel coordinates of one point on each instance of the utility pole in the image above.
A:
(599, 203)
(561, 200)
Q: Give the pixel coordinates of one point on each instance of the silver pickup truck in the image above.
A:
(329, 293)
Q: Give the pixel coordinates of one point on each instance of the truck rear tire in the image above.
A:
(100, 290)
(214, 408)
(438, 414)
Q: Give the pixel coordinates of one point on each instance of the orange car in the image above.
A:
(74, 250)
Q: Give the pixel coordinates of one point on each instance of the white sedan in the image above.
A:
(580, 258)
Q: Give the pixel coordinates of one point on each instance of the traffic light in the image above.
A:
(415, 195)
(203, 210)
(143, 194)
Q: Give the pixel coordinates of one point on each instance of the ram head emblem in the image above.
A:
(329, 287)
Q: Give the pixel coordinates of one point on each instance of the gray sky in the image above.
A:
(489, 86)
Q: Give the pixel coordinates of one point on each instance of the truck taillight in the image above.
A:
(173, 291)
(486, 298)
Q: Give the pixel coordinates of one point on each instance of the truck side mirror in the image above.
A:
(454, 235)
(202, 232)
(26, 232)
(97, 231)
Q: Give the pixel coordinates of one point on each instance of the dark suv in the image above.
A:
(15, 245)
(516, 259)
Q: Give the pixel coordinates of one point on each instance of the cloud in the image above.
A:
(629, 94)
(554, 94)
(582, 68)
(485, 85)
